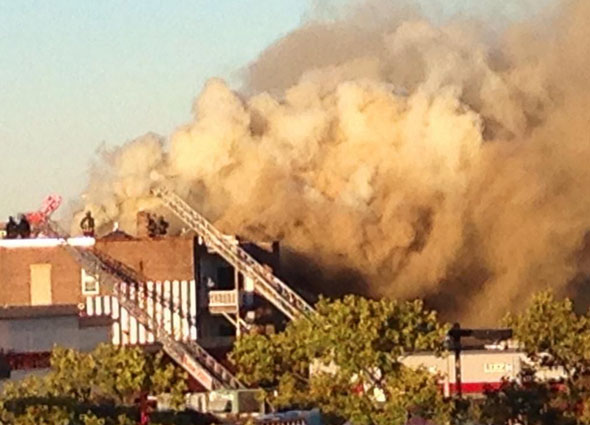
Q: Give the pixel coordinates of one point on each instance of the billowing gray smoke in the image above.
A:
(404, 159)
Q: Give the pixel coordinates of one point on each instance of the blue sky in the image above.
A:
(74, 74)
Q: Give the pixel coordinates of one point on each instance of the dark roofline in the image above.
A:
(117, 235)
(38, 312)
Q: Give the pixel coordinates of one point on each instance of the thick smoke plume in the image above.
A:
(398, 158)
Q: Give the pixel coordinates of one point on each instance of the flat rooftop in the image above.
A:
(46, 242)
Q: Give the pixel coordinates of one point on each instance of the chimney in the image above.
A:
(142, 225)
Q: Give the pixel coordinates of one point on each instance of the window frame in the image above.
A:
(87, 278)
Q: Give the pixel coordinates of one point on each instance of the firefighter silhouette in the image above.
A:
(162, 226)
(157, 226)
(24, 228)
(11, 228)
(87, 225)
(152, 226)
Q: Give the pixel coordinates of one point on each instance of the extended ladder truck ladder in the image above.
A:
(191, 356)
(265, 282)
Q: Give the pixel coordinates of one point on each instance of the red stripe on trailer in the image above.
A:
(475, 387)
(28, 361)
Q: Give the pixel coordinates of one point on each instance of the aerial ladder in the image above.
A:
(265, 282)
(114, 274)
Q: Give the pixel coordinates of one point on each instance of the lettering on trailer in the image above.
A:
(197, 372)
(497, 367)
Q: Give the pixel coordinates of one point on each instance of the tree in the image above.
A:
(355, 346)
(553, 336)
(529, 402)
(100, 387)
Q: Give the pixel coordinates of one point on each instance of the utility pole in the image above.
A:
(455, 341)
(456, 333)
(5, 368)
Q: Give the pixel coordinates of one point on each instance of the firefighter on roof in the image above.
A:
(152, 226)
(87, 225)
(162, 226)
(11, 228)
(24, 228)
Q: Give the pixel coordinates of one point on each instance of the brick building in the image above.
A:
(46, 298)
(41, 272)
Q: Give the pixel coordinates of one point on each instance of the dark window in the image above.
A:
(226, 330)
(225, 278)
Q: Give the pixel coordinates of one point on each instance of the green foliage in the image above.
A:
(81, 386)
(120, 374)
(91, 419)
(355, 346)
(43, 415)
(554, 336)
(125, 420)
(166, 377)
(30, 386)
(73, 374)
(535, 402)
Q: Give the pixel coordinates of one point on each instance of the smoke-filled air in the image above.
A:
(395, 157)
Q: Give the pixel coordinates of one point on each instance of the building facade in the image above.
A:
(47, 298)
(41, 272)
